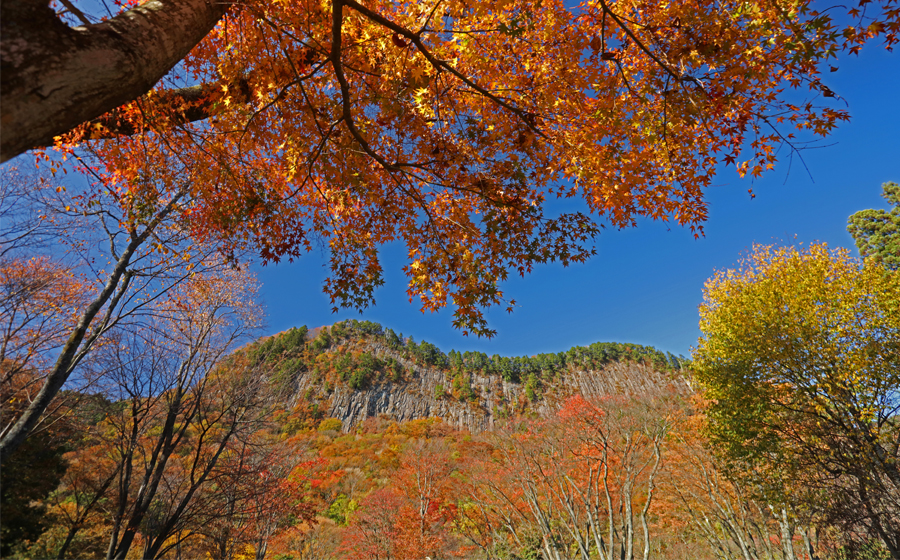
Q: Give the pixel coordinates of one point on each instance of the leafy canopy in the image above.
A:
(450, 125)
(800, 358)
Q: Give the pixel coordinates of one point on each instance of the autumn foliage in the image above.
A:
(619, 476)
(457, 129)
(452, 127)
(799, 357)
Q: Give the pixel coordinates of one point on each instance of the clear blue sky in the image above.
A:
(645, 284)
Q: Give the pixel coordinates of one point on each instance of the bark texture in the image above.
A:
(54, 77)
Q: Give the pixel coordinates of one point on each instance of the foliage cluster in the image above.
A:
(877, 232)
(447, 126)
(801, 362)
(282, 354)
(359, 371)
(514, 369)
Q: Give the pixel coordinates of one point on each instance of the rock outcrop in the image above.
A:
(423, 392)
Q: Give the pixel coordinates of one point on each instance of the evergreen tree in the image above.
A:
(877, 232)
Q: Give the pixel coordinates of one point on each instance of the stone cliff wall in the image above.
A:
(416, 397)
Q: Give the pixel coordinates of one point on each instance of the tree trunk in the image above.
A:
(808, 543)
(75, 347)
(787, 535)
(55, 77)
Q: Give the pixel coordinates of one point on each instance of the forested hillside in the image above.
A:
(356, 370)
(177, 145)
(355, 442)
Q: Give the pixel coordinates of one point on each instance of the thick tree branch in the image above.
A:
(55, 77)
(184, 105)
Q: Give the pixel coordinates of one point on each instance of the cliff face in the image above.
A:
(424, 391)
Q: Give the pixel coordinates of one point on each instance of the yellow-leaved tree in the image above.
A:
(800, 357)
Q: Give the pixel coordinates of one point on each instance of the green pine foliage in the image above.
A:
(877, 232)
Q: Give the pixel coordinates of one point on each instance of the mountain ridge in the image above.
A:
(356, 370)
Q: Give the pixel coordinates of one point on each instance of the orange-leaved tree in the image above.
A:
(584, 483)
(100, 61)
(38, 299)
(412, 516)
(263, 485)
(448, 126)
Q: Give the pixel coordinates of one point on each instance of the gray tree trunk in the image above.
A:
(54, 77)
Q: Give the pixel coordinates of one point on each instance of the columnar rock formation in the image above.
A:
(421, 394)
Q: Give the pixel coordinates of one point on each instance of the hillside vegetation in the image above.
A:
(357, 443)
(357, 369)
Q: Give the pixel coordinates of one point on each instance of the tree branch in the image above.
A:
(60, 372)
(55, 77)
(184, 105)
(416, 40)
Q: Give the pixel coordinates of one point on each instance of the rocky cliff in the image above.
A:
(458, 395)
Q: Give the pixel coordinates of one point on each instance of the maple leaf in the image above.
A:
(398, 41)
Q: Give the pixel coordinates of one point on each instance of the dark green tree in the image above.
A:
(877, 232)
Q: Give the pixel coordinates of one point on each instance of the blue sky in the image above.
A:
(645, 284)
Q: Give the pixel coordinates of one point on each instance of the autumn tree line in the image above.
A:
(611, 477)
(258, 130)
(178, 445)
(294, 355)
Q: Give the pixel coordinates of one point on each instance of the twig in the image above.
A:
(416, 39)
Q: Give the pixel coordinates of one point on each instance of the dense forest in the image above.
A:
(230, 462)
(360, 369)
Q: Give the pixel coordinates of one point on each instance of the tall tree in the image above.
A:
(180, 408)
(123, 252)
(800, 360)
(85, 487)
(582, 484)
(877, 232)
(61, 71)
(448, 126)
(412, 516)
(39, 299)
(262, 483)
(373, 532)
(424, 478)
